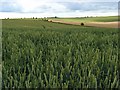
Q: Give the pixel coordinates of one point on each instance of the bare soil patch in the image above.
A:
(103, 24)
(92, 24)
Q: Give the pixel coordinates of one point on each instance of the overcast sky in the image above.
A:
(60, 8)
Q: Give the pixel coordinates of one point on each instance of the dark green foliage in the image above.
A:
(43, 54)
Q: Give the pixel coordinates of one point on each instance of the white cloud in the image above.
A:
(64, 14)
(44, 8)
(28, 5)
(37, 5)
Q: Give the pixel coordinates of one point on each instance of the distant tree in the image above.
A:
(33, 17)
(36, 18)
(82, 24)
(55, 16)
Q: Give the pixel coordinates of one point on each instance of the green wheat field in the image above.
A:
(42, 54)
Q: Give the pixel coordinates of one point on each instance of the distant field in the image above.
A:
(107, 22)
(42, 54)
(90, 19)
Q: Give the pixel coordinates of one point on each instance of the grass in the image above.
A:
(90, 19)
(50, 55)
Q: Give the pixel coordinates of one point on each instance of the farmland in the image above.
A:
(38, 53)
(106, 21)
(89, 19)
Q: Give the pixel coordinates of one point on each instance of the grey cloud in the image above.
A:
(91, 6)
(12, 6)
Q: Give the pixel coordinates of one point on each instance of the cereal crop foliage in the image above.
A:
(49, 55)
